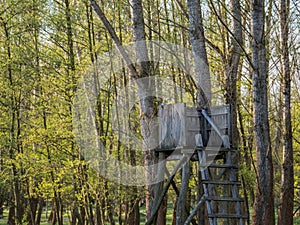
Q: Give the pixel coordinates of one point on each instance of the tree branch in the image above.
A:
(230, 32)
(115, 38)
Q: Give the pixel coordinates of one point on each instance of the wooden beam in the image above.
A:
(156, 207)
(202, 200)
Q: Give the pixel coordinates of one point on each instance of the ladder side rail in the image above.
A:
(206, 188)
(234, 189)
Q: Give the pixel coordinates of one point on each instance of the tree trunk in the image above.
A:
(14, 133)
(146, 103)
(201, 67)
(285, 214)
(161, 215)
(31, 211)
(52, 216)
(199, 52)
(40, 211)
(181, 213)
(264, 200)
(98, 215)
(133, 217)
(233, 66)
(11, 220)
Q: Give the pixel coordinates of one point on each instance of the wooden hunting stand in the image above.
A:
(204, 136)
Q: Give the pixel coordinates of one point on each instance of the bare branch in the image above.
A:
(230, 32)
(115, 38)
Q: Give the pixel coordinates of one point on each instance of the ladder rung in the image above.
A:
(221, 182)
(218, 149)
(214, 157)
(225, 215)
(215, 165)
(228, 199)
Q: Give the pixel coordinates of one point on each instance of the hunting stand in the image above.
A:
(204, 136)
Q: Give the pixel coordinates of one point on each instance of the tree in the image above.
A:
(285, 213)
(232, 67)
(45, 46)
(147, 106)
(202, 74)
(199, 52)
(264, 200)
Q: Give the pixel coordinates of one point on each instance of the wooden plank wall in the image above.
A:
(192, 126)
(171, 125)
(179, 124)
(221, 117)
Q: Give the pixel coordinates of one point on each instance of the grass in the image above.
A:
(3, 221)
(297, 220)
(44, 220)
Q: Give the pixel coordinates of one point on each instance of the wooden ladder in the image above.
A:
(219, 174)
(213, 183)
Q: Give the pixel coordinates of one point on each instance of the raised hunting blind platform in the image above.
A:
(205, 136)
(184, 128)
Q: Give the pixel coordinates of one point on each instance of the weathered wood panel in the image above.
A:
(221, 116)
(178, 126)
(172, 126)
(192, 126)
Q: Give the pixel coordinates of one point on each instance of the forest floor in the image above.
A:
(44, 220)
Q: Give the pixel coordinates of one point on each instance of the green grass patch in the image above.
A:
(169, 218)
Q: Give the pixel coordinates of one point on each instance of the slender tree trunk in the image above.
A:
(98, 215)
(11, 220)
(233, 66)
(32, 209)
(71, 54)
(161, 215)
(264, 200)
(285, 214)
(39, 211)
(1, 205)
(14, 132)
(181, 213)
(134, 213)
(231, 72)
(52, 217)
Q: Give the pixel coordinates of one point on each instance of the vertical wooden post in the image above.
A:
(161, 167)
(181, 214)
